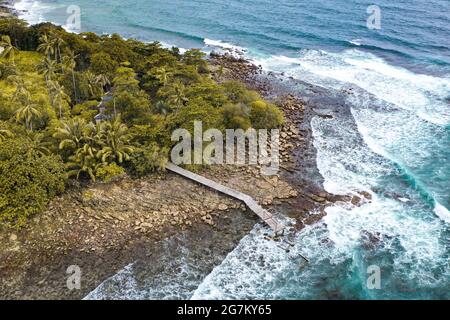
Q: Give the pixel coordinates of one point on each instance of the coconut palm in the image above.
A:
(163, 76)
(85, 160)
(116, 142)
(103, 81)
(71, 134)
(95, 89)
(38, 144)
(177, 95)
(93, 134)
(58, 96)
(21, 92)
(47, 46)
(27, 113)
(162, 108)
(68, 65)
(9, 50)
(48, 68)
(58, 42)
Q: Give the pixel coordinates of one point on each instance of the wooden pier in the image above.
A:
(266, 216)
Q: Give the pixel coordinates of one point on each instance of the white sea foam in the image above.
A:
(258, 269)
(356, 42)
(33, 11)
(442, 212)
(223, 45)
(423, 94)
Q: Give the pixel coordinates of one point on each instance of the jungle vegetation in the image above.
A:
(51, 85)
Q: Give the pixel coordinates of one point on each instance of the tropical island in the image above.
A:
(132, 134)
(86, 125)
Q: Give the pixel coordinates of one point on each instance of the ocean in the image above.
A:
(393, 141)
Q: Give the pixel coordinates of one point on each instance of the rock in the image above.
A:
(322, 194)
(316, 198)
(13, 237)
(366, 195)
(356, 200)
(223, 207)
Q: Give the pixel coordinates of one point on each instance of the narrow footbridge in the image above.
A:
(266, 216)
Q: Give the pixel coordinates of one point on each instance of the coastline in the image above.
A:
(7, 9)
(358, 118)
(105, 227)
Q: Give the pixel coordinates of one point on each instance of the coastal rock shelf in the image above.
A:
(266, 216)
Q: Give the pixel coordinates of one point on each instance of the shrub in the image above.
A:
(265, 115)
(148, 160)
(28, 180)
(237, 92)
(109, 172)
(236, 116)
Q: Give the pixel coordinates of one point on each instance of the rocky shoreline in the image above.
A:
(104, 227)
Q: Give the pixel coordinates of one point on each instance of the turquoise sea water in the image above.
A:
(394, 143)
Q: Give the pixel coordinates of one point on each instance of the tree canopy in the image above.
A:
(94, 107)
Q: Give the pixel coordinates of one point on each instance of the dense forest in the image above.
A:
(93, 108)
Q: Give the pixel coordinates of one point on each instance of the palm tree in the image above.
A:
(58, 96)
(162, 108)
(48, 68)
(58, 42)
(38, 144)
(47, 46)
(163, 76)
(177, 96)
(116, 148)
(27, 113)
(93, 133)
(95, 88)
(9, 50)
(84, 160)
(21, 92)
(103, 80)
(69, 64)
(71, 134)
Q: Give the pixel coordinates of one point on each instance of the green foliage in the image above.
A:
(264, 115)
(102, 63)
(147, 160)
(86, 110)
(55, 84)
(6, 70)
(115, 142)
(29, 180)
(9, 51)
(236, 116)
(133, 107)
(110, 172)
(237, 92)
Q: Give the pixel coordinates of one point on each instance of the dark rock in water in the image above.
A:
(356, 200)
(366, 195)
(370, 240)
